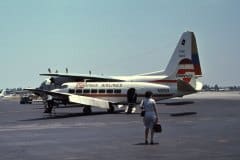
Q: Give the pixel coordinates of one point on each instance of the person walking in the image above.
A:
(150, 118)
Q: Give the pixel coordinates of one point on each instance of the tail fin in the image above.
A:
(185, 57)
(184, 63)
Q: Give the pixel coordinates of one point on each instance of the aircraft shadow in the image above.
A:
(69, 115)
(179, 103)
(182, 114)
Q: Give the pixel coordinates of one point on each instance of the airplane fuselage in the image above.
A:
(117, 91)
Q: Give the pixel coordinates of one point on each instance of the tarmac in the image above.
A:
(203, 126)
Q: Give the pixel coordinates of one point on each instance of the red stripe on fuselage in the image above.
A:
(164, 81)
(183, 71)
(123, 95)
(187, 79)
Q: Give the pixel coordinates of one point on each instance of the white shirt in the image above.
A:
(148, 104)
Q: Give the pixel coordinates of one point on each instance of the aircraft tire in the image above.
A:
(87, 110)
(111, 109)
(48, 110)
(49, 107)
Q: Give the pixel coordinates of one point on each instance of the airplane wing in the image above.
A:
(45, 92)
(78, 77)
(84, 100)
(90, 101)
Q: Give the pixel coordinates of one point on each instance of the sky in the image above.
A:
(115, 37)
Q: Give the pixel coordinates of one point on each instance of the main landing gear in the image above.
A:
(49, 106)
(111, 108)
(87, 110)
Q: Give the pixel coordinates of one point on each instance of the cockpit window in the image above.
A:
(64, 86)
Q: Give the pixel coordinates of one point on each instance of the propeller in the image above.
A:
(52, 80)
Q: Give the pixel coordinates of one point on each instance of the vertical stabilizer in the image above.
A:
(185, 57)
(184, 64)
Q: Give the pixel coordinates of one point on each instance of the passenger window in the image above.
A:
(93, 91)
(101, 91)
(86, 91)
(79, 91)
(109, 91)
(117, 91)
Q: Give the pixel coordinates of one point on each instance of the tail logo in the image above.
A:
(183, 42)
(185, 70)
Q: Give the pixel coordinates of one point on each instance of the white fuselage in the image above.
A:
(117, 91)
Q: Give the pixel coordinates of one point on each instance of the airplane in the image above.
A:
(178, 79)
(7, 94)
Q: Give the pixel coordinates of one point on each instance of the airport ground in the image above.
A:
(213, 133)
